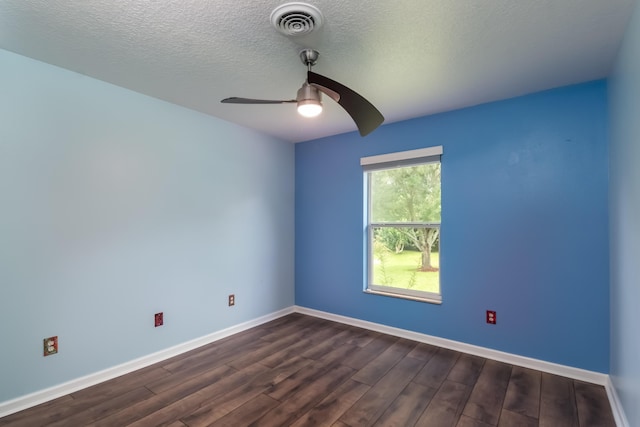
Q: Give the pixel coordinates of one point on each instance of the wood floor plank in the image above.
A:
(270, 326)
(313, 372)
(305, 398)
(467, 369)
(256, 356)
(332, 331)
(408, 407)
(423, 351)
(372, 405)
(38, 415)
(246, 414)
(187, 405)
(513, 419)
(123, 383)
(103, 408)
(437, 368)
(89, 406)
(557, 402)
(244, 341)
(135, 412)
(339, 354)
(214, 409)
(386, 360)
(338, 338)
(328, 411)
(286, 353)
(593, 406)
(193, 380)
(523, 392)
(195, 366)
(167, 397)
(298, 327)
(364, 354)
(446, 405)
(322, 334)
(470, 422)
(487, 396)
(362, 337)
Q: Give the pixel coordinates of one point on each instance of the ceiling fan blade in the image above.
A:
(236, 100)
(364, 114)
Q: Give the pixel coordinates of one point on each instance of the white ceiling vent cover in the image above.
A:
(296, 19)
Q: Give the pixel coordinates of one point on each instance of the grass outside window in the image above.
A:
(402, 270)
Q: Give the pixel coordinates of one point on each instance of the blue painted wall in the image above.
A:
(116, 206)
(624, 199)
(524, 226)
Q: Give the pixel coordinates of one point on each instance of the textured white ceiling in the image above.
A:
(409, 58)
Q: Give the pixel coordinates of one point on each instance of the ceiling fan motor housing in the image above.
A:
(308, 93)
(296, 19)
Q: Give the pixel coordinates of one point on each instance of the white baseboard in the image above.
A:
(616, 405)
(42, 396)
(526, 362)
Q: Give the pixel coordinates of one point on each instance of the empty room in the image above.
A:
(420, 213)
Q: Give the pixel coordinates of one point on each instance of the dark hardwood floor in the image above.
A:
(304, 371)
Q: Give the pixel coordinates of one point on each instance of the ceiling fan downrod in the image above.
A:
(309, 57)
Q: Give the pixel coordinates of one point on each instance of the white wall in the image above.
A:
(115, 206)
(624, 194)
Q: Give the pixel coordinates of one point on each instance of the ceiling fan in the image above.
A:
(309, 98)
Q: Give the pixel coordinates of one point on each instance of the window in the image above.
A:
(403, 223)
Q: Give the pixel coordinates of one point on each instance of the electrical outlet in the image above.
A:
(491, 317)
(50, 346)
(159, 319)
(232, 300)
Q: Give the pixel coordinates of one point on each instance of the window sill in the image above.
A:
(402, 296)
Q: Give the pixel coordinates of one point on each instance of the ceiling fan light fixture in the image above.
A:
(309, 101)
(309, 108)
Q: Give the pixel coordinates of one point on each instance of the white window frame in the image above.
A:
(389, 161)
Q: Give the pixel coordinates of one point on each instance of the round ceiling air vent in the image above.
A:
(296, 19)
